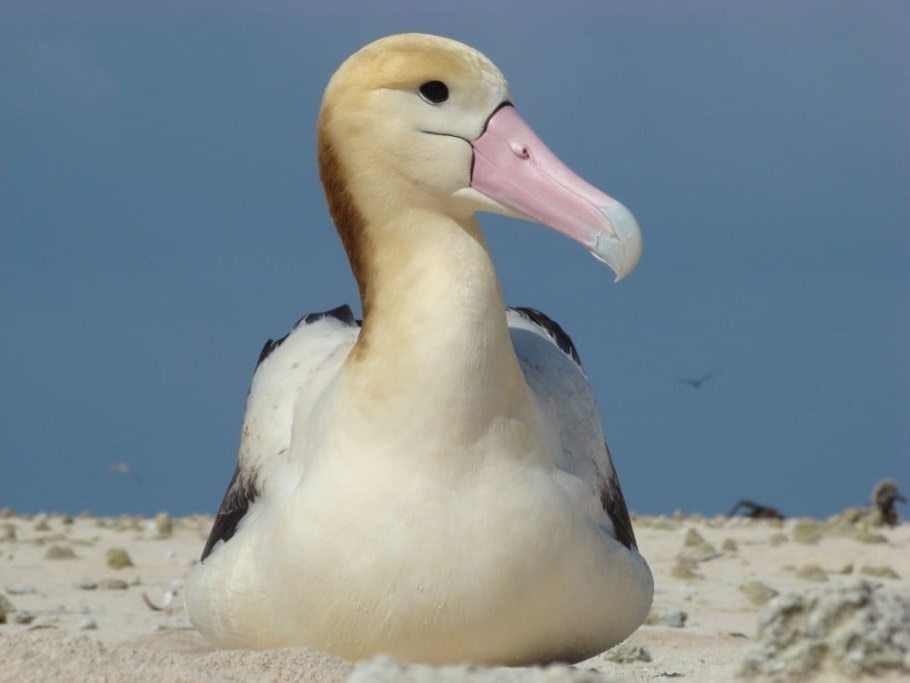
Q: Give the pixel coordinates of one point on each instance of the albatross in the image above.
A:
(431, 483)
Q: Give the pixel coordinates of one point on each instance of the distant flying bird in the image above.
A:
(124, 469)
(696, 382)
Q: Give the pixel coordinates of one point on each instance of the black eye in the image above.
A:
(434, 91)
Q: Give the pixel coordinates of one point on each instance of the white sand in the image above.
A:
(131, 642)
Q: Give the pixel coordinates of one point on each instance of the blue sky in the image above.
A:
(161, 216)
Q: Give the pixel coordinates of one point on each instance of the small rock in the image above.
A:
(118, 558)
(87, 624)
(19, 588)
(694, 539)
(696, 548)
(846, 569)
(23, 618)
(675, 619)
(811, 572)
(113, 584)
(6, 607)
(665, 524)
(882, 572)
(7, 533)
(758, 593)
(851, 515)
(627, 654)
(86, 584)
(685, 569)
(59, 552)
(807, 531)
(128, 523)
(729, 546)
(778, 538)
(865, 535)
(40, 523)
(164, 525)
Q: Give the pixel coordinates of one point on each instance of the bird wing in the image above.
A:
(307, 357)
(553, 370)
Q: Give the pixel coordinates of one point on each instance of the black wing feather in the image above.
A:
(342, 313)
(240, 494)
(614, 504)
(552, 328)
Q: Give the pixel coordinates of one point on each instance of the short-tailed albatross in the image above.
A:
(433, 483)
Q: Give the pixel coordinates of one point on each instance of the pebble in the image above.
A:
(59, 552)
(673, 619)
(848, 516)
(856, 629)
(685, 569)
(624, 653)
(113, 584)
(758, 593)
(665, 524)
(23, 617)
(118, 558)
(696, 548)
(86, 584)
(164, 525)
(778, 539)
(864, 535)
(808, 531)
(694, 539)
(128, 523)
(6, 607)
(881, 572)
(811, 572)
(676, 619)
(87, 624)
(19, 588)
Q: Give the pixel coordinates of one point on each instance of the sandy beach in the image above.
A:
(75, 594)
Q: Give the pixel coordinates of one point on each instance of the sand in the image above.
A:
(76, 618)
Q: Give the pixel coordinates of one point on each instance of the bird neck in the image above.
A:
(434, 349)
